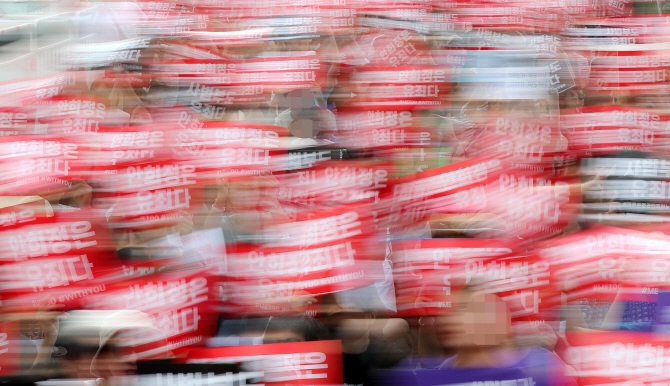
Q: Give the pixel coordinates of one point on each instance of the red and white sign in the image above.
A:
(429, 273)
(33, 165)
(181, 304)
(619, 358)
(300, 363)
(230, 149)
(324, 251)
(47, 259)
(10, 349)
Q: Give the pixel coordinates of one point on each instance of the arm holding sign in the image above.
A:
(48, 318)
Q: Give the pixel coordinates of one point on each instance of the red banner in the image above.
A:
(301, 363)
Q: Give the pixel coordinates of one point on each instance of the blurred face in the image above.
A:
(450, 328)
(486, 321)
(101, 88)
(244, 194)
(141, 116)
(300, 100)
(476, 321)
(304, 128)
(114, 360)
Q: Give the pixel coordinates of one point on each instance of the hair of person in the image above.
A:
(305, 325)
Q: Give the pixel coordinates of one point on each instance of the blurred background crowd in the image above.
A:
(357, 192)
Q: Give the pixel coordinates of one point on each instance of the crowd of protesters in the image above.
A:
(438, 192)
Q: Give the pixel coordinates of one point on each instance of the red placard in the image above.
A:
(324, 251)
(618, 357)
(35, 164)
(429, 273)
(409, 87)
(529, 142)
(76, 114)
(300, 363)
(182, 304)
(412, 197)
(17, 121)
(46, 258)
(10, 349)
(230, 149)
(614, 128)
(400, 48)
(600, 262)
(336, 182)
(530, 204)
(117, 147)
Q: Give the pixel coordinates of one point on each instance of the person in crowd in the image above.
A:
(96, 344)
(478, 333)
(294, 328)
(297, 102)
(371, 340)
(245, 208)
(483, 344)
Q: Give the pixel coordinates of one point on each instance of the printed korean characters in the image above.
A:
(642, 72)
(161, 10)
(17, 121)
(117, 147)
(633, 185)
(41, 89)
(412, 198)
(205, 86)
(230, 149)
(335, 183)
(649, 275)
(428, 274)
(608, 129)
(39, 164)
(281, 74)
(322, 252)
(597, 34)
(619, 357)
(609, 260)
(545, 44)
(10, 348)
(531, 204)
(376, 127)
(400, 48)
(23, 212)
(638, 71)
(403, 87)
(343, 15)
(130, 53)
(181, 304)
(561, 74)
(634, 173)
(210, 97)
(154, 193)
(300, 363)
(529, 143)
(306, 158)
(76, 115)
(51, 259)
(524, 281)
